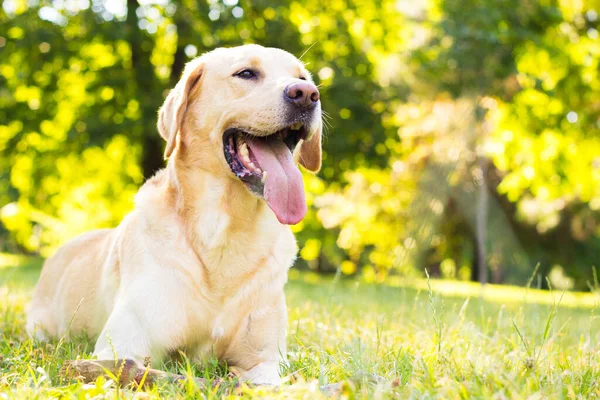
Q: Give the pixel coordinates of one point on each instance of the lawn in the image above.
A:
(396, 341)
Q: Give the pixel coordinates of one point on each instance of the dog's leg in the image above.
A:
(259, 346)
(265, 373)
(148, 319)
(123, 336)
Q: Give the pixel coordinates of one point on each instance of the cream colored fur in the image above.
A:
(200, 264)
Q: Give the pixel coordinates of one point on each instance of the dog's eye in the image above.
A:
(302, 77)
(246, 74)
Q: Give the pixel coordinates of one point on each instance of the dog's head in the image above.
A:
(248, 113)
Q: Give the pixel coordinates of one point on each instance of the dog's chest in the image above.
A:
(239, 277)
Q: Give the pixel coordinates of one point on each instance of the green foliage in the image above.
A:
(504, 97)
(427, 103)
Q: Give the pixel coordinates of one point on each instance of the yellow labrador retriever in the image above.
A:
(201, 262)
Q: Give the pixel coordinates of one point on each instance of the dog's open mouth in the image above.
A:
(266, 165)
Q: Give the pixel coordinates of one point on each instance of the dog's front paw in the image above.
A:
(265, 373)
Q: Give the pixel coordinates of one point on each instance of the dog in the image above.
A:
(201, 262)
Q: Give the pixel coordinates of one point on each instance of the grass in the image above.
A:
(420, 339)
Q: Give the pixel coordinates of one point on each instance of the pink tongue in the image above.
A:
(284, 191)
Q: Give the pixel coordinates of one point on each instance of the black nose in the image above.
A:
(303, 94)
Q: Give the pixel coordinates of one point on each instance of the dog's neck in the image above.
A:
(214, 207)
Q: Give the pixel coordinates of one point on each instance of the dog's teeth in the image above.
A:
(255, 168)
(243, 149)
(264, 177)
(296, 126)
(248, 164)
(244, 156)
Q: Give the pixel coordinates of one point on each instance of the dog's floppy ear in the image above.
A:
(309, 155)
(170, 115)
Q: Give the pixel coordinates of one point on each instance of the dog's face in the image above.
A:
(248, 112)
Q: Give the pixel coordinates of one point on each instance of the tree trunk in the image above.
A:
(475, 259)
(148, 90)
(481, 223)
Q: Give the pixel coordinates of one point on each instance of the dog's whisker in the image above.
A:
(307, 50)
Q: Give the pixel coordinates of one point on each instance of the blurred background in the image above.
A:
(463, 136)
